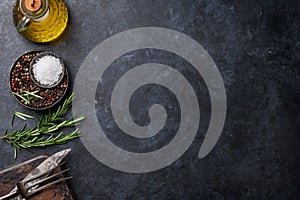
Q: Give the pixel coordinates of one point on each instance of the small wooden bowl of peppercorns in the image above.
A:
(26, 90)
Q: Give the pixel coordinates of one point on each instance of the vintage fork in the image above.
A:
(29, 186)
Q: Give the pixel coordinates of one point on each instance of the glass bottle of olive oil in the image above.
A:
(40, 20)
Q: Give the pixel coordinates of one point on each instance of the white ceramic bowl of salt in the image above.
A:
(47, 70)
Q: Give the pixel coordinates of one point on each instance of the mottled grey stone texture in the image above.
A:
(255, 45)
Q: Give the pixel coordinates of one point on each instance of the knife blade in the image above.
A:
(49, 164)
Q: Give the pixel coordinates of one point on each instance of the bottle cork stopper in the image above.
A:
(32, 5)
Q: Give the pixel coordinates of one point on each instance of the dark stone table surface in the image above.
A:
(255, 45)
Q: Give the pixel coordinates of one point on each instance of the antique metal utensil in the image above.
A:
(38, 174)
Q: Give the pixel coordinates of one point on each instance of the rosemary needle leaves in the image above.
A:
(20, 115)
(44, 133)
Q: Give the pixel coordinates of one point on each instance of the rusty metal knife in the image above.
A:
(49, 164)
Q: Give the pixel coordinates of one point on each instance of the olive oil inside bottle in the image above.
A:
(48, 27)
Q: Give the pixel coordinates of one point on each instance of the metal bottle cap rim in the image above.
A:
(34, 14)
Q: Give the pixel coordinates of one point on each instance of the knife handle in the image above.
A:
(9, 195)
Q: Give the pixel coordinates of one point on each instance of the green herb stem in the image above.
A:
(43, 134)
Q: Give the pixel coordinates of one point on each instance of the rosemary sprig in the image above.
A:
(55, 117)
(22, 97)
(43, 134)
(32, 94)
(28, 96)
(19, 115)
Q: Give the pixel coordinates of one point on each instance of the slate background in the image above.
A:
(255, 45)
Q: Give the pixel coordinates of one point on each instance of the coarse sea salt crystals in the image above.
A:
(47, 70)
